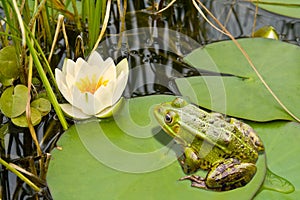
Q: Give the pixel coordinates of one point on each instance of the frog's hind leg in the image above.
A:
(229, 174)
(225, 175)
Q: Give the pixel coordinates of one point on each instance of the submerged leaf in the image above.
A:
(243, 95)
(13, 101)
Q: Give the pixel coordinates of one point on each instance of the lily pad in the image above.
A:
(288, 8)
(13, 101)
(41, 104)
(9, 65)
(22, 121)
(128, 157)
(281, 140)
(243, 95)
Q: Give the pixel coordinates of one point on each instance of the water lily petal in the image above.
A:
(92, 104)
(110, 72)
(68, 66)
(109, 62)
(108, 112)
(73, 112)
(95, 59)
(104, 96)
(70, 80)
(79, 63)
(62, 85)
(122, 66)
(86, 102)
(121, 83)
(107, 69)
(86, 70)
(77, 97)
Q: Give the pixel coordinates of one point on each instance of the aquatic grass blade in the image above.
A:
(46, 83)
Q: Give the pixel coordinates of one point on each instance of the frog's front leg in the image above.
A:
(189, 161)
(225, 175)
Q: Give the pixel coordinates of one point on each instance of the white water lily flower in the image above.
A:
(92, 88)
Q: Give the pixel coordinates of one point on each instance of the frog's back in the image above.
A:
(216, 139)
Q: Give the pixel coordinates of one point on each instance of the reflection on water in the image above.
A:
(159, 50)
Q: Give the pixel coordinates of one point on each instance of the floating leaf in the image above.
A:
(243, 95)
(41, 104)
(22, 121)
(13, 101)
(9, 65)
(288, 8)
(129, 157)
(281, 140)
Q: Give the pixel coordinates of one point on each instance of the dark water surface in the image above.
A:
(155, 59)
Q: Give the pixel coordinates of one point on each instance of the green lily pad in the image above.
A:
(13, 101)
(290, 8)
(21, 120)
(243, 95)
(129, 157)
(281, 140)
(9, 65)
(41, 104)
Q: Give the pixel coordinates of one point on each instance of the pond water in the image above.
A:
(154, 46)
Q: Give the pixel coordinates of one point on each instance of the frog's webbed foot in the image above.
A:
(196, 181)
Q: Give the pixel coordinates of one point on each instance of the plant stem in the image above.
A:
(21, 176)
(104, 25)
(47, 85)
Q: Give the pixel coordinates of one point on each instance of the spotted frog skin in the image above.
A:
(226, 147)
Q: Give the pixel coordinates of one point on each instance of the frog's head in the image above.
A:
(168, 116)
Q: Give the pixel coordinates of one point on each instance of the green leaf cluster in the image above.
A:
(13, 103)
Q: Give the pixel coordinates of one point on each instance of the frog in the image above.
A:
(226, 147)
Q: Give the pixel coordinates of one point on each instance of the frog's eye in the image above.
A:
(169, 117)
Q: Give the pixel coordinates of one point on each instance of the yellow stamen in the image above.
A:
(90, 85)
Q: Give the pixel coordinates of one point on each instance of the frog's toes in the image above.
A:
(196, 181)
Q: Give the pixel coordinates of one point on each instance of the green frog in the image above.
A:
(226, 147)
